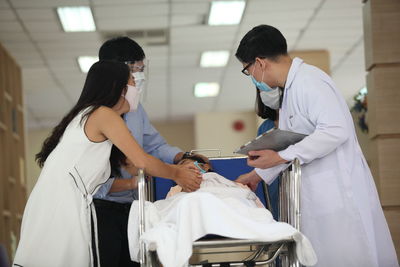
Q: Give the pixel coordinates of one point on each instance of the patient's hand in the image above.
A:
(188, 177)
(250, 179)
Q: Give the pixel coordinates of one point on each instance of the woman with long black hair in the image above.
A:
(56, 227)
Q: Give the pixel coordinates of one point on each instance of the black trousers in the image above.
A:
(112, 224)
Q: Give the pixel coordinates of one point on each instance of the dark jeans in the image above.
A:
(112, 224)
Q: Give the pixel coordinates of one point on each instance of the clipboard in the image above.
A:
(274, 139)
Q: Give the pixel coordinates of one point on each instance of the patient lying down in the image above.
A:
(217, 184)
(220, 207)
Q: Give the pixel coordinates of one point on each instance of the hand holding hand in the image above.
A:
(264, 159)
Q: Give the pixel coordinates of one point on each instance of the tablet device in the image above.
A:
(274, 139)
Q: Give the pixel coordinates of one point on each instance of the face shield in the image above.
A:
(139, 71)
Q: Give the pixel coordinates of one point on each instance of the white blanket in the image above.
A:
(173, 224)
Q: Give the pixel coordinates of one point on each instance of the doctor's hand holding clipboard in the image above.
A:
(263, 151)
(264, 159)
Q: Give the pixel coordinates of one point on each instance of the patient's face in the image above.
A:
(204, 166)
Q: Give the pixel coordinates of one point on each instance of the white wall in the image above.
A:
(34, 140)
(179, 134)
(214, 130)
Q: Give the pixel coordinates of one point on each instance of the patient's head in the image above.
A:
(202, 161)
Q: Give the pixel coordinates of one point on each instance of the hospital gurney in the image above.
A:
(259, 253)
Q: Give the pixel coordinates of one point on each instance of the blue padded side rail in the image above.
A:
(230, 168)
(161, 187)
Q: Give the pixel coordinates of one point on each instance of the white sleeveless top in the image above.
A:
(56, 226)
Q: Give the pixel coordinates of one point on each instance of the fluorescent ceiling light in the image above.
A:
(214, 59)
(85, 62)
(226, 12)
(206, 89)
(76, 19)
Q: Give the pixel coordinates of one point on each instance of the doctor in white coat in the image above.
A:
(341, 212)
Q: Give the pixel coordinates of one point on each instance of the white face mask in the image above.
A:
(140, 80)
(132, 96)
(271, 98)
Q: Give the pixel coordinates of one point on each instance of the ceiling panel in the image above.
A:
(180, 60)
(43, 26)
(282, 6)
(37, 79)
(10, 27)
(62, 37)
(16, 37)
(186, 20)
(122, 2)
(27, 56)
(51, 73)
(37, 14)
(129, 24)
(4, 4)
(6, 14)
(47, 3)
(135, 12)
(20, 47)
(185, 7)
(342, 5)
(202, 32)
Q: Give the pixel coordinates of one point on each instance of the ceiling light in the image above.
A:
(206, 89)
(226, 12)
(85, 62)
(76, 19)
(214, 59)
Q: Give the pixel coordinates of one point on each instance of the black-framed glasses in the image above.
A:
(245, 70)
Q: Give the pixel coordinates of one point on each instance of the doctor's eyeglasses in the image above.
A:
(245, 70)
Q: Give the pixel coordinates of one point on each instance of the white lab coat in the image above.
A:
(341, 212)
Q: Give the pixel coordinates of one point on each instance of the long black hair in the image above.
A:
(106, 81)
(264, 111)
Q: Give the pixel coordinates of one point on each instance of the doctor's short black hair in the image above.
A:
(263, 41)
(121, 49)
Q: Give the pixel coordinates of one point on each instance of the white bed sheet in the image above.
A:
(173, 224)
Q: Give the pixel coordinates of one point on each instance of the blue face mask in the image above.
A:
(260, 85)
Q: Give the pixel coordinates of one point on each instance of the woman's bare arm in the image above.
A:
(107, 122)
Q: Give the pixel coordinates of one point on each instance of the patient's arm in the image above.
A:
(174, 190)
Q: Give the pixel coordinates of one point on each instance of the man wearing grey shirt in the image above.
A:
(113, 199)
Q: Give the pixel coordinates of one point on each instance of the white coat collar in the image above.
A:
(292, 71)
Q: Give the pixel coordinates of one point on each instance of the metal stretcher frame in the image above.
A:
(289, 212)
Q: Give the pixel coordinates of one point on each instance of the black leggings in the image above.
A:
(112, 224)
